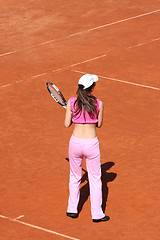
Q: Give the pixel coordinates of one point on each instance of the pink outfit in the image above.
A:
(79, 118)
(88, 148)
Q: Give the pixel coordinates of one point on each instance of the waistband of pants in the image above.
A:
(84, 140)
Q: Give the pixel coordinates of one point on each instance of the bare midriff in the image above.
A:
(85, 131)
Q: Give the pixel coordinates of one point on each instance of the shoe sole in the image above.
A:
(72, 216)
(101, 220)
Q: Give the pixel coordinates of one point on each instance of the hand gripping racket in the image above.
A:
(56, 94)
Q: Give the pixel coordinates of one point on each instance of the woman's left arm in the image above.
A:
(68, 116)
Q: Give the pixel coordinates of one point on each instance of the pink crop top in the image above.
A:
(79, 118)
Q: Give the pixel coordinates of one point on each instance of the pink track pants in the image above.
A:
(78, 148)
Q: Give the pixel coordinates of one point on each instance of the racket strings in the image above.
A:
(56, 94)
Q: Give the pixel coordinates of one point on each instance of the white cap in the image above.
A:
(87, 80)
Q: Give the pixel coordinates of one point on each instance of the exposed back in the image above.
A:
(84, 118)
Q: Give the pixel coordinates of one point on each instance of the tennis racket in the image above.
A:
(56, 94)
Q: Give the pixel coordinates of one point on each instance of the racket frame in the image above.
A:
(59, 92)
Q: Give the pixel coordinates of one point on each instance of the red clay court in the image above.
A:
(59, 41)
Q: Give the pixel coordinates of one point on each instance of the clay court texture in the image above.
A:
(59, 41)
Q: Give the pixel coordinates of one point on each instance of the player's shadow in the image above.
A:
(106, 177)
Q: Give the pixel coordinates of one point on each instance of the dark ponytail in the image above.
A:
(85, 101)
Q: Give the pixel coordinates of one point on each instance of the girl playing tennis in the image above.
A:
(86, 112)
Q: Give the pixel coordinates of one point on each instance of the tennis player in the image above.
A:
(86, 112)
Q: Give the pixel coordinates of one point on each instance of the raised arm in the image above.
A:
(68, 116)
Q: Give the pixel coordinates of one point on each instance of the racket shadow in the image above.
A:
(106, 178)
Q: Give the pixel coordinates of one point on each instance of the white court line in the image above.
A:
(8, 53)
(144, 43)
(37, 227)
(83, 32)
(9, 84)
(116, 51)
(124, 20)
(18, 217)
(119, 80)
(89, 60)
(39, 75)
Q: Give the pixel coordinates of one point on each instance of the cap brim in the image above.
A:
(95, 77)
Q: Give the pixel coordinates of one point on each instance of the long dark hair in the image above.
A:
(85, 101)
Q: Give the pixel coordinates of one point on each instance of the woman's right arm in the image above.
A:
(100, 115)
